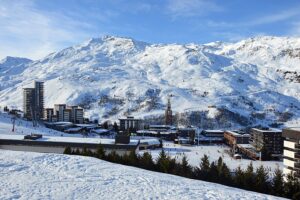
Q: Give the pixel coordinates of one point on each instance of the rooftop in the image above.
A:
(270, 130)
(66, 139)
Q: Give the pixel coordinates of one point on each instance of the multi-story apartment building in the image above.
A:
(39, 99)
(64, 113)
(49, 114)
(33, 101)
(28, 103)
(232, 138)
(77, 114)
(59, 111)
(268, 142)
(291, 152)
(130, 124)
(67, 115)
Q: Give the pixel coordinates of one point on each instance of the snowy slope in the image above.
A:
(111, 76)
(50, 176)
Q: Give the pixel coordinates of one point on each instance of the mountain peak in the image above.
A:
(9, 60)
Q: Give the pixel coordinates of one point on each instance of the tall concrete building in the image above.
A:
(268, 142)
(33, 101)
(28, 103)
(39, 99)
(291, 152)
(168, 114)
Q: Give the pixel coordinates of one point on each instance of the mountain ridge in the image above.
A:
(114, 76)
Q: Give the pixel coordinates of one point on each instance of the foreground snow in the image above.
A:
(51, 176)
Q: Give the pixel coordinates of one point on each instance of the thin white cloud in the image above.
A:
(277, 17)
(189, 8)
(29, 32)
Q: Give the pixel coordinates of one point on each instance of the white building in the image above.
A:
(291, 151)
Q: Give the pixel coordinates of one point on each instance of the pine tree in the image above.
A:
(291, 185)
(163, 162)
(100, 153)
(213, 173)
(226, 177)
(185, 168)
(239, 178)
(278, 183)
(146, 161)
(77, 152)
(202, 172)
(133, 159)
(249, 177)
(68, 150)
(261, 180)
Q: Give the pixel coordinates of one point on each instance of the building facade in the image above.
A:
(130, 124)
(232, 138)
(28, 103)
(64, 113)
(33, 101)
(49, 113)
(39, 99)
(291, 152)
(268, 142)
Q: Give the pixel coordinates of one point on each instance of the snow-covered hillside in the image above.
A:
(252, 81)
(50, 176)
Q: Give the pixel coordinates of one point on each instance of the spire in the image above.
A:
(168, 113)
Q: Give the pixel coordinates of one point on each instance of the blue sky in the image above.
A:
(35, 28)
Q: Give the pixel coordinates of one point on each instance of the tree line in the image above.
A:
(257, 180)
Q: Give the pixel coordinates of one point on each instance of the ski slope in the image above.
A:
(50, 176)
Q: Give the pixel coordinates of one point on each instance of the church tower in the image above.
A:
(168, 113)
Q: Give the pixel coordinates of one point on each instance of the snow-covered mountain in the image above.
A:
(252, 81)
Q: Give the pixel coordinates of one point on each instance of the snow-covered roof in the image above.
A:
(73, 129)
(146, 131)
(100, 130)
(269, 130)
(67, 139)
(214, 131)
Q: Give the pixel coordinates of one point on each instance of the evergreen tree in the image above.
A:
(163, 162)
(113, 157)
(146, 161)
(202, 172)
(249, 177)
(100, 153)
(239, 178)
(291, 185)
(213, 173)
(296, 196)
(185, 168)
(77, 152)
(133, 159)
(68, 150)
(278, 183)
(261, 180)
(226, 177)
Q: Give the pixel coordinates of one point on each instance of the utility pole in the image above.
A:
(13, 122)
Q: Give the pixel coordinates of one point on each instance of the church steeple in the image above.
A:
(168, 113)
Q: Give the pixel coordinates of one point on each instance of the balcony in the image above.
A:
(288, 153)
(289, 144)
(288, 163)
